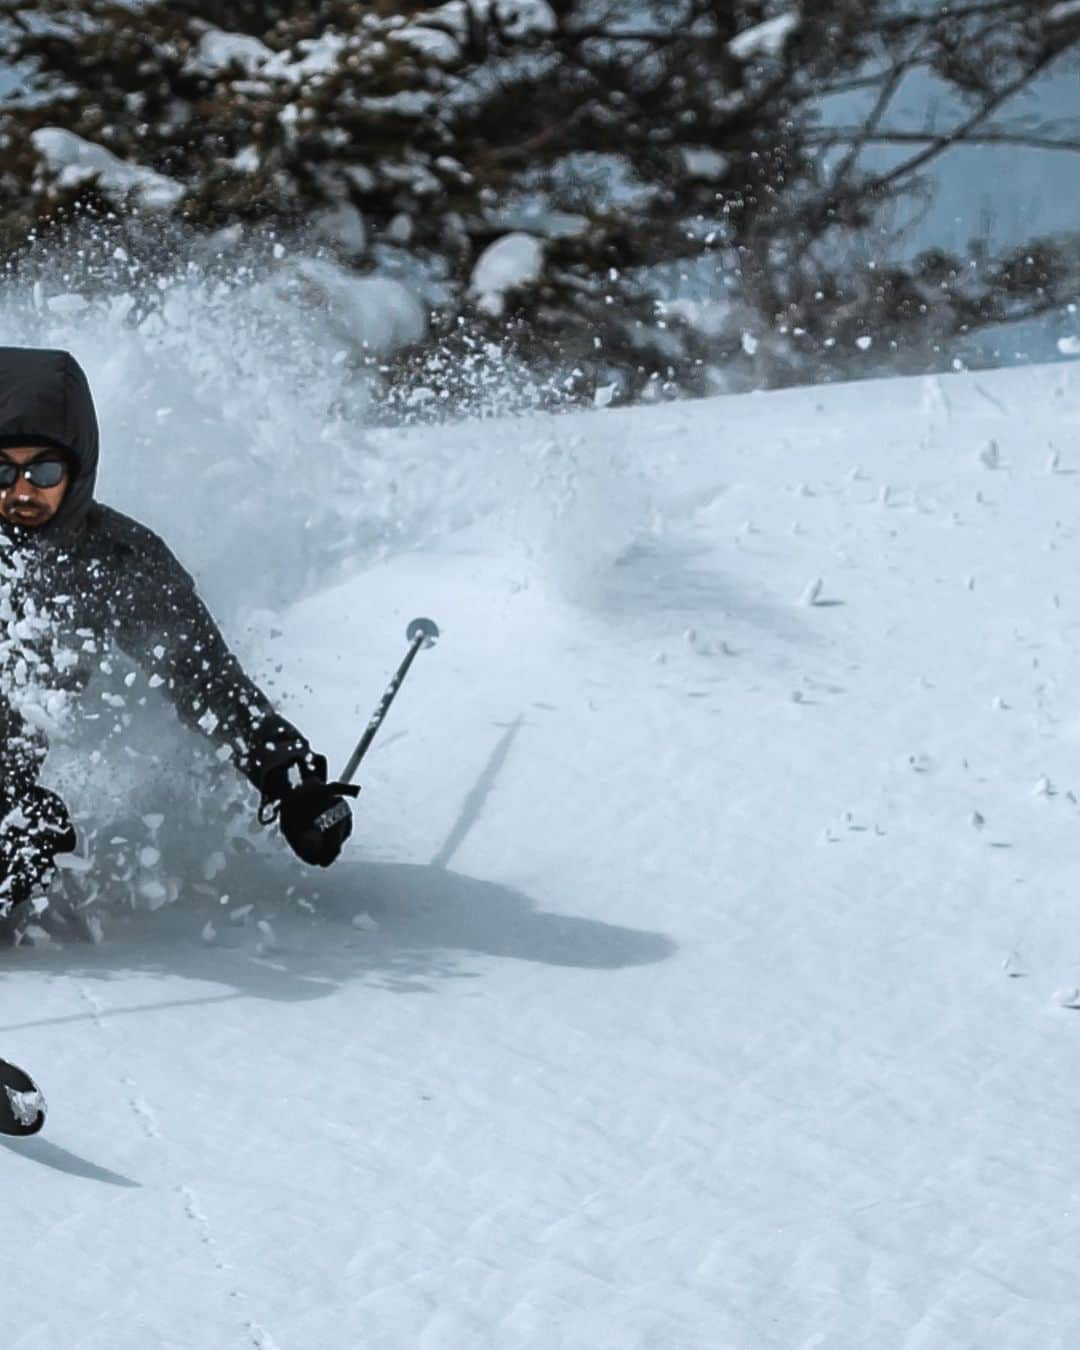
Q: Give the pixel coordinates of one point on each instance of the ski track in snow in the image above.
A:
(703, 972)
(146, 1116)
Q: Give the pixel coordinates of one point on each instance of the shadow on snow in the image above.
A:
(429, 921)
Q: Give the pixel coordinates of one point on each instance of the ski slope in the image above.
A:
(699, 974)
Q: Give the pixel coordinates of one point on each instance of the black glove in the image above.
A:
(314, 816)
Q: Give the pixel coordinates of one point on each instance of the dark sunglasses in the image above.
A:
(43, 473)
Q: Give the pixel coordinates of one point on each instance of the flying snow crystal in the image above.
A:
(365, 923)
(750, 344)
(1067, 998)
(604, 394)
(977, 819)
(812, 592)
(864, 343)
(1069, 346)
(1044, 788)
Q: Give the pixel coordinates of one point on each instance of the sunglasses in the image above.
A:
(42, 473)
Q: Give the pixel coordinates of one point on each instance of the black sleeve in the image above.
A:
(22, 753)
(162, 623)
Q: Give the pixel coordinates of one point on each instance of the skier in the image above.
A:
(77, 578)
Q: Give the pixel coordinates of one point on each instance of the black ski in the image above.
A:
(22, 1107)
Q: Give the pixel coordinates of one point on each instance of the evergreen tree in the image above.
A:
(618, 145)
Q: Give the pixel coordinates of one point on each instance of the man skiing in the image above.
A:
(77, 578)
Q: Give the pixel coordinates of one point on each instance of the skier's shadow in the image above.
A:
(48, 1154)
(401, 924)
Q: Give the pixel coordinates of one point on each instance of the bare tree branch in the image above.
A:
(887, 92)
(849, 135)
(939, 144)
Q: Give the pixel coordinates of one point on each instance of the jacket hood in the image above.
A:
(45, 399)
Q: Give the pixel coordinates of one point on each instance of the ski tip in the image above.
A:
(22, 1107)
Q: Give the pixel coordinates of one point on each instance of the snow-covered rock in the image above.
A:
(510, 263)
(701, 161)
(1067, 11)
(76, 161)
(313, 57)
(524, 18)
(766, 39)
(219, 52)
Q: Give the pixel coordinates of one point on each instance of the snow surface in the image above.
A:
(702, 973)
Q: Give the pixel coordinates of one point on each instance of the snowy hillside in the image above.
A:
(699, 974)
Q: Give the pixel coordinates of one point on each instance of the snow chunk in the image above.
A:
(764, 39)
(67, 305)
(514, 261)
(343, 226)
(700, 161)
(218, 51)
(377, 313)
(1069, 346)
(76, 161)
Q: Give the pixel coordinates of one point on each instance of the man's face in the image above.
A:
(24, 503)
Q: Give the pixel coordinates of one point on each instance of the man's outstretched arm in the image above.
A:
(164, 625)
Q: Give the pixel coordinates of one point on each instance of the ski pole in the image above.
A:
(420, 633)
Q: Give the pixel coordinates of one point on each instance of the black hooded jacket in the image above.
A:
(91, 579)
